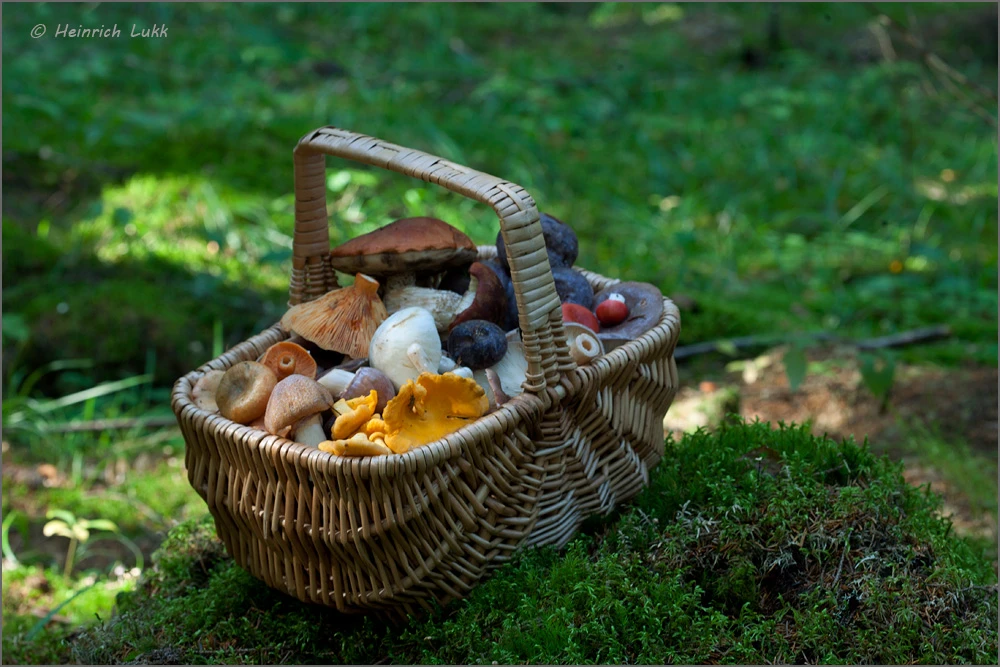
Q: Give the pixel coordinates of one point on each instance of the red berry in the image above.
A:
(573, 312)
(611, 312)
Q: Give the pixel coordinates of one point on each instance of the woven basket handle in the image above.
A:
(537, 301)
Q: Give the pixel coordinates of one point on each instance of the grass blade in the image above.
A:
(42, 622)
(100, 390)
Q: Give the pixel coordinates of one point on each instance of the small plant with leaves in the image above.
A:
(878, 372)
(79, 532)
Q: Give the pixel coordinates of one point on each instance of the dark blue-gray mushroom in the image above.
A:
(477, 344)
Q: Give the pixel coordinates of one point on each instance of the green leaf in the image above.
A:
(57, 527)
(15, 327)
(878, 373)
(65, 515)
(795, 366)
(8, 552)
(726, 347)
(102, 524)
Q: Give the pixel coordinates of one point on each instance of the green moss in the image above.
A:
(750, 545)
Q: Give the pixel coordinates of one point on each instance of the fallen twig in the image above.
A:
(112, 424)
(893, 340)
(905, 338)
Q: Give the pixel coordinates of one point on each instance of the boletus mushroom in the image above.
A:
(645, 308)
(406, 246)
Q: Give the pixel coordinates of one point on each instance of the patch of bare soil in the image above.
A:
(958, 404)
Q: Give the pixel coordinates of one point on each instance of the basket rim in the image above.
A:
(524, 406)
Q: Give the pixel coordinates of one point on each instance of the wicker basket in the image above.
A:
(393, 533)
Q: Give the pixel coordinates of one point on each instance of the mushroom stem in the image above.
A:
(444, 305)
(498, 393)
(447, 364)
(584, 348)
(336, 380)
(462, 371)
(310, 431)
(418, 358)
(398, 282)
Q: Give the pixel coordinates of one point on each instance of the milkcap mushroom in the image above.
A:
(244, 390)
(645, 308)
(513, 368)
(287, 358)
(342, 320)
(295, 410)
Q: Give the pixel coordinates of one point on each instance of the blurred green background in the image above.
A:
(778, 169)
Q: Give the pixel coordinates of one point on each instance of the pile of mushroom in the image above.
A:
(422, 343)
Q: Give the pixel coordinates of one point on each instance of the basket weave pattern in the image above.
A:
(392, 533)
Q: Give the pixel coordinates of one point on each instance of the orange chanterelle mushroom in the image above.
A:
(431, 408)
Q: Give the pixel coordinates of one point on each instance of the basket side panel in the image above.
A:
(600, 442)
(354, 536)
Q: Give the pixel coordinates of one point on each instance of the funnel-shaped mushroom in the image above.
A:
(431, 408)
(244, 391)
(342, 320)
(287, 358)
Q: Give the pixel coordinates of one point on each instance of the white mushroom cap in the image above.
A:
(406, 345)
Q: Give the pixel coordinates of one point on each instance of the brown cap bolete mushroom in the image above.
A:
(406, 246)
(645, 308)
(342, 320)
(244, 391)
(295, 410)
(489, 297)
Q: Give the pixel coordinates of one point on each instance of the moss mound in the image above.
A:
(751, 545)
